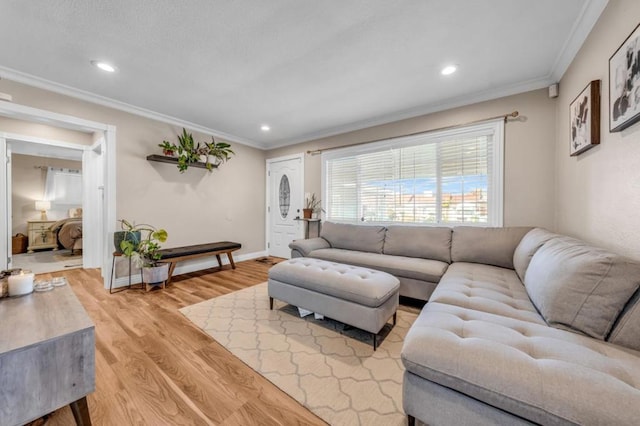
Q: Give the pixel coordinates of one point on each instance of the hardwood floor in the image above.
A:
(154, 367)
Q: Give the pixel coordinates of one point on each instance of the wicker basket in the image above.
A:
(19, 244)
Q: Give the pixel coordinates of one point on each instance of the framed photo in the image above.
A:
(584, 116)
(624, 84)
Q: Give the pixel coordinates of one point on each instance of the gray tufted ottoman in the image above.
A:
(356, 296)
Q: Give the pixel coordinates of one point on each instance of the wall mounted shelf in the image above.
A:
(174, 161)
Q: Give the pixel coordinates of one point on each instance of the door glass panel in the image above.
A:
(284, 196)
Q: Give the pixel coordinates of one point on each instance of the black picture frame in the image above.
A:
(584, 119)
(624, 83)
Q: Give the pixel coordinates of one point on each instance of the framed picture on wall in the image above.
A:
(624, 83)
(584, 116)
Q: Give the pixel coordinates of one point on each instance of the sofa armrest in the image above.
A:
(304, 247)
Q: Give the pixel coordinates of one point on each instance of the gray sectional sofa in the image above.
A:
(522, 326)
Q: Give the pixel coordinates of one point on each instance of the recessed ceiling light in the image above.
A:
(448, 70)
(103, 66)
(265, 128)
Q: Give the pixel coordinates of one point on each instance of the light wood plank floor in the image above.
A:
(154, 367)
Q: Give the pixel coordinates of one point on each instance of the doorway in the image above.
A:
(285, 195)
(45, 192)
(104, 175)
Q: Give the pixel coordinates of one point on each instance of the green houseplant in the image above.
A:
(188, 151)
(145, 250)
(169, 149)
(220, 151)
(126, 233)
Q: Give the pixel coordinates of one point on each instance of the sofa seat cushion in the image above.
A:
(486, 288)
(399, 266)
(543, 374)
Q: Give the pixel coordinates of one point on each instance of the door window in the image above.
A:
(284, 196)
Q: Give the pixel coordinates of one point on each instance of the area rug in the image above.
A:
(328, 367)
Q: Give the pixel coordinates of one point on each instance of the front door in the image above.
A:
(284, 204)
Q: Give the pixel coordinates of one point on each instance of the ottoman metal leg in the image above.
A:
(375, 341)
(271, 303)
(395, 316)
(411, 421)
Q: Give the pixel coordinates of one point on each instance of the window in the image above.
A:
(63, 187)
(446, 177)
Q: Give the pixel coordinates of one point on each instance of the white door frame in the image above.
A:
(26, 113)
(5, 208)
(9, 138)
(270, 161)
(92, 202)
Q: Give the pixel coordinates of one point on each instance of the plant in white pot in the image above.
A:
(145, 252)
(219, 152)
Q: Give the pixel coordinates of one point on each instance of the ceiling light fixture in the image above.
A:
(448, 70)
(103, 66)
(265, 128)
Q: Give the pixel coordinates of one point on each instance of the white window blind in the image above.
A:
(445, 177)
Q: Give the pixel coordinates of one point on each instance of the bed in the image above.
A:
(68, 231)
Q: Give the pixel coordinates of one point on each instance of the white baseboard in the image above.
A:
(191, 266)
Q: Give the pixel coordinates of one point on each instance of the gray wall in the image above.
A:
(598, 192)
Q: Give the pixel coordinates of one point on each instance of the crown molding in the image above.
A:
(41, 83)
(589, 15)
(457, 102)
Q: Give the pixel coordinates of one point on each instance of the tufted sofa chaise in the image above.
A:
(523, 326)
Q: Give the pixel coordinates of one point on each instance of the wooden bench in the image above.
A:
(178, 254)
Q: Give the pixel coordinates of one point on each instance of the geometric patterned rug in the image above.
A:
(328, 367)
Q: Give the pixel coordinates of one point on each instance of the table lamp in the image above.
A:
(43, 206)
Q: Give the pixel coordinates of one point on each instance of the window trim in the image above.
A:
(496, 194)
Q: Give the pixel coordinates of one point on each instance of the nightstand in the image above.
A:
(40, 236)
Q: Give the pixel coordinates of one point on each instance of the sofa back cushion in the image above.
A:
(491, 246)
(626, 331)
(354, 237)
(426, 242)
(578, 287)
(528, 246)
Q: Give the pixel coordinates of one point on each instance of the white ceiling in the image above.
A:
(307, 68)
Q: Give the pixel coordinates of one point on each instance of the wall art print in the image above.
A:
(624, 83)
(584, 116)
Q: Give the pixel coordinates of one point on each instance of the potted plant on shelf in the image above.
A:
(219, 151)
(312, 205)
(187, 150)
(204, 155)
(169, 149)
(144, 252)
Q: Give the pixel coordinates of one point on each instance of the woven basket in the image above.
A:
(19, 244)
